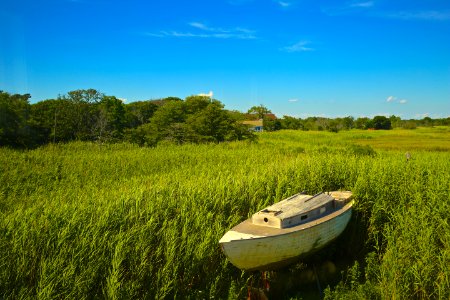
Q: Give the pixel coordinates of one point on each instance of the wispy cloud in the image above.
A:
(200, 26)
(432, 15)
(298, 47)
(391, 99)
(368, 8)
(421, 116)
(293, 100)
(204, 31)
(353, 7)
(205, 27)
(284, 3)
(364, 4)
(177, 34)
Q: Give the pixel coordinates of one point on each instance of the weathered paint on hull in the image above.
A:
(275, 251)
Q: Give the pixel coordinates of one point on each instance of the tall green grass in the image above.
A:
(83, 220)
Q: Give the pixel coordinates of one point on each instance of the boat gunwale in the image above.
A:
(270, 232)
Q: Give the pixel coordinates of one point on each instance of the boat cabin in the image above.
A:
(299, 209)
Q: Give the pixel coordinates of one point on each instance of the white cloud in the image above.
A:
(366, 7)
(124, 100)
(200, 26)
(362, 4)
(352, 7)
(432, 15)
(152, 34)
(293, 100)
(284, 3)
(298, 47)
(210, 94)
(207, 32)
(394, 99)
(391, 98)
(421, 116)
(205, 27)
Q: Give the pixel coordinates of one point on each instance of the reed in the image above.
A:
(86, 220)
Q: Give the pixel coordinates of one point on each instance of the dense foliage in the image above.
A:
(346, 123)
(88, 115)
(86, 220)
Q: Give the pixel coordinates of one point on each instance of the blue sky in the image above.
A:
(298, 58)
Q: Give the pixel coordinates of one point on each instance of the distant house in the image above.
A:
(255, 125)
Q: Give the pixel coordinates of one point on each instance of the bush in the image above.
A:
(361, 150)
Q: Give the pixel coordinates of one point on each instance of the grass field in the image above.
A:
(87, 221)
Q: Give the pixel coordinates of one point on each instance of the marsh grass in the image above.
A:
(85, 220)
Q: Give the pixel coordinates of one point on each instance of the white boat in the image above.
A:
(288, 230)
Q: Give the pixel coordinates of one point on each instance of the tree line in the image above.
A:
(346, 123)
(337, 124)
(89, 115)
(329, 124)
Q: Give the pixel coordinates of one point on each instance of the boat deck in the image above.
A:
(299, 209)
(248, 230)
(298, 204)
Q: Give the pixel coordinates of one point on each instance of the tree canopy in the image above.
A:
(89, 115)
(259, 111)
(14, 119)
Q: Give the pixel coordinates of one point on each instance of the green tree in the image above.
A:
(14, 120)
(172, 112)
(164, 101)
(395, 121)
(195, 104)
(362, 123)
(84, 112)
(110, 119)
(288, 122)
(168, 123)
(348, 123)
(271, 124)
(260, 111)
(310, 123)
(409, 124)
(139, 112)
(54, 120)
(333, 125)
(381, 122)
(84, 96)
(236, 115)
(197, 120)
(427, 121)
(239, 131)
(210, 124)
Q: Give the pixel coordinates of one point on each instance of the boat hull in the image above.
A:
(273, 249)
